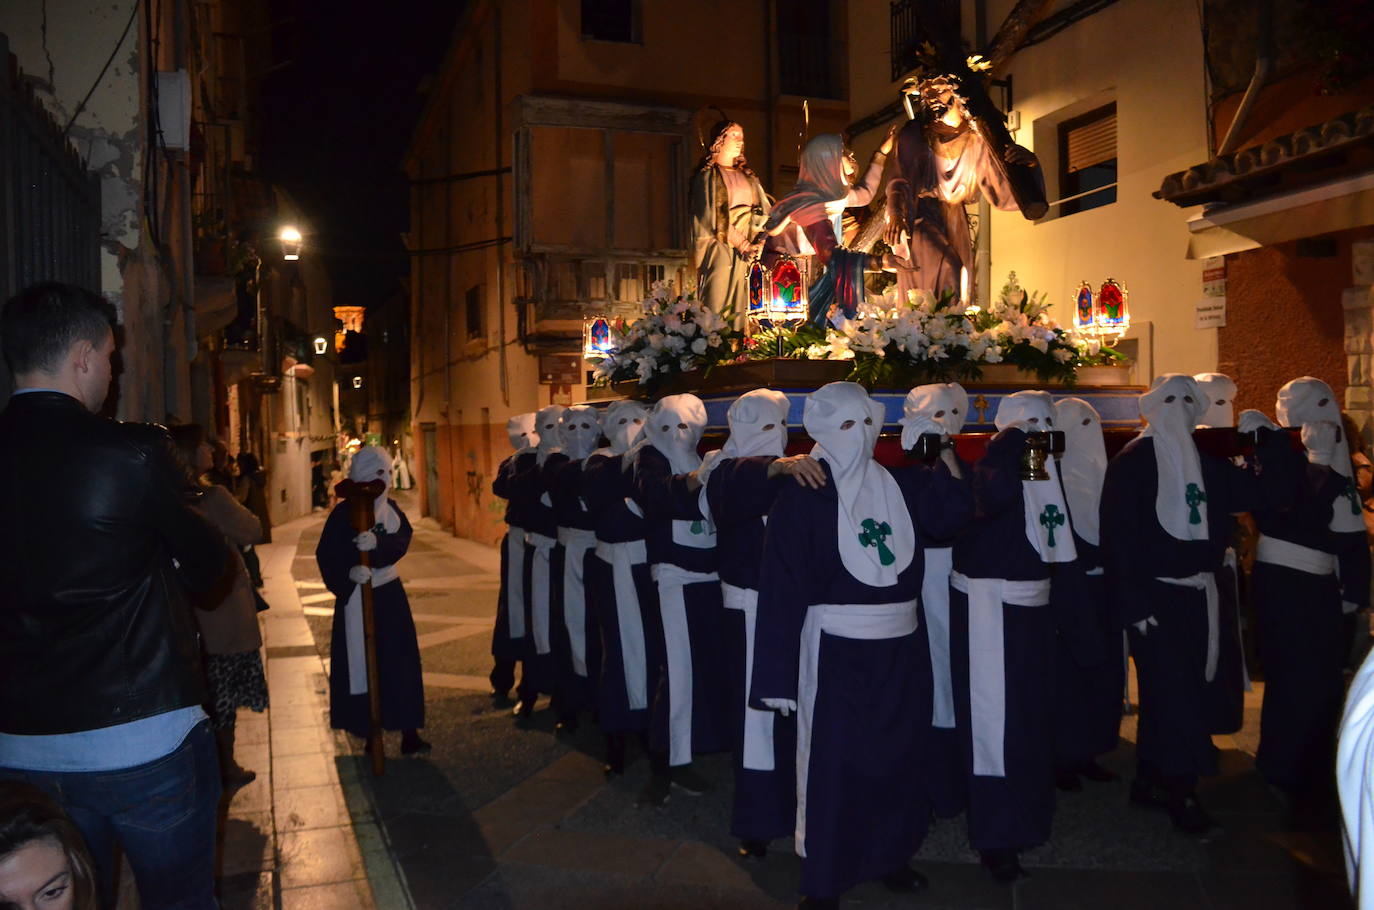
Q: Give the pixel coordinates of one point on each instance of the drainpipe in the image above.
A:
(1264, 62)
(497, 104)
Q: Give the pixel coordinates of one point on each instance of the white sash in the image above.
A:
(865, 622)
(515, 581)
(1206, 581)
(758, 725)
(539, 589)
(353, 629)
(622, 558)
(987, 666)
(576, 542)
(935, 599)
(1279, 552)
(672, 607)
(1230, 560)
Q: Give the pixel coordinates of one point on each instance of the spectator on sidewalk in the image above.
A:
(100, 680)
(43, 859)
(228, 616)
(398, 653)
(250, 488)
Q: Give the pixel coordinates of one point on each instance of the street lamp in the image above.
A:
(321, 344)
(290, 243)
(357, 382)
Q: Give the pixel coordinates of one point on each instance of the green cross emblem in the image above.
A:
(1353, 495)
(1052, 518)
(873, 535)
(697, 527)
(1194, 497)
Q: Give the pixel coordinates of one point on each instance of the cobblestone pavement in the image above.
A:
(503, 817)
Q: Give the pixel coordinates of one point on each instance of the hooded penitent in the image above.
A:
(1084, 464)
(546, 422)
(1047, 514)
(369, 464)
(876, 534)
(580, 431)
(520, 429)
(1308, 400)
(674, 428)
(1173, 407)
(621, 424)
(941, 407)
(1220, 390)
(758, 425)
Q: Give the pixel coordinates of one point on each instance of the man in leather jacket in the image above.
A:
(100, 678)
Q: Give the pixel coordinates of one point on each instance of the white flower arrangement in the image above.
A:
(676, 334)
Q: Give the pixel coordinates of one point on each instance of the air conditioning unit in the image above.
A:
(174, 109)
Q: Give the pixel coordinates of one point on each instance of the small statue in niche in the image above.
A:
(807, 222)
(944, 162)
(729, 209)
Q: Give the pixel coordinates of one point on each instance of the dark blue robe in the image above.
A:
(400, 682)
(867, 807)
(1301, 630)
(562, 479)
(504, 649)
(1174, 744)
(1013, 811)
(740, 493)
(664, 497)
(1090, 662)
(605, 485)
(527, 497)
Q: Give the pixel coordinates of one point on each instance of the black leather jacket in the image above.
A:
(95, 627)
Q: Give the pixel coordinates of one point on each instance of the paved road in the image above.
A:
(503, 817)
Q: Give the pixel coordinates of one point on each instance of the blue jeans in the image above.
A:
(163, 815)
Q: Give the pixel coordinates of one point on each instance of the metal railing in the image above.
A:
(49, 201)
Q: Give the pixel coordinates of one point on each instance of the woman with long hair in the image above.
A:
(43, 859)
(729, 209)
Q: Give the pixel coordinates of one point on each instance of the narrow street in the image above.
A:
(503, 817)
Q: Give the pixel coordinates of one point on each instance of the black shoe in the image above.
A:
(501, 700)
(689, 781)
(905, 880)
(655, 792)
(1067, 781)
(1188, 815)
(1149, 794)
(753, 849)
(615, 754)
(1097, 774)
(524, 709)
(1003, 865)
(412, 744)
(819, 903)
(566, 726)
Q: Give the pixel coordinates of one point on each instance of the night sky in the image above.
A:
(336, 118)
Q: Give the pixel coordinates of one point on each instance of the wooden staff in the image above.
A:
(360, 498)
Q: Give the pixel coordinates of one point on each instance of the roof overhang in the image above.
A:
(1336, 205)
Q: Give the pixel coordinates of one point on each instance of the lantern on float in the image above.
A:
(596, 337)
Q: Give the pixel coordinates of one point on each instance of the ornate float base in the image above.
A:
(1105, 388)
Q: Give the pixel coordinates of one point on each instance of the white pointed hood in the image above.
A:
(1047, 523)
(373, 463)
(876, 534)
(520, 431)
(1220, 390)
(546, 422)
(674, 428)
(622, 422)
(1084, 464)
(1173, 407)
(945, 403)
(579, 431)
(1308, 400)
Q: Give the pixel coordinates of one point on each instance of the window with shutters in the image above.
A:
(1087, 161)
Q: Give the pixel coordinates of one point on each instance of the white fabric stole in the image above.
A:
(935, 598)
(1279, 552)
(515, 581)
(1047, 523)
(758, 725)
(672, 606)
(862, 622)
(622, 558)
(540, 572)
(1355, 782)
(987, 672)
(576, 542)
(353, 629)
(1206, 582)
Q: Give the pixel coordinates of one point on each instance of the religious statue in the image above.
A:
(729, 209)
(945, 160)
(806, 222)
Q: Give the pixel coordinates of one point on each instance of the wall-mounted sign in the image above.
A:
(560, 369)
(1214, 277)
(1210, 313)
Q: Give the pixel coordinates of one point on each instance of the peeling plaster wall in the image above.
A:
(61, 46)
